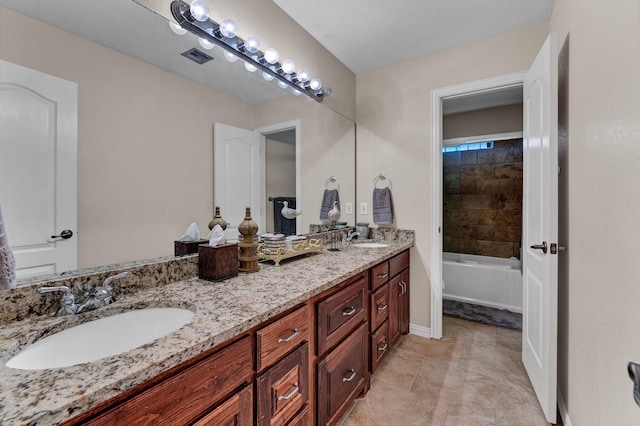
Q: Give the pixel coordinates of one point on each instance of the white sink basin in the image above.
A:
(101, 338)
(371, 245)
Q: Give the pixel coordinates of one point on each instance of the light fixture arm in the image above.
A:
(210, 30)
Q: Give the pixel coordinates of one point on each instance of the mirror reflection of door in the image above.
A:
(38, 168)
(280, 180)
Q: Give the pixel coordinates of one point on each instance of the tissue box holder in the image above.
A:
(181, 248)
(217, 263)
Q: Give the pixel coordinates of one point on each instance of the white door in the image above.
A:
(540, 226)
(238, 176)
(38, 168)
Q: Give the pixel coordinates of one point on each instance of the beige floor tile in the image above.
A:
(472, 376)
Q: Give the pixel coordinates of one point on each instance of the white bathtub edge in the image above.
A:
(511, 308)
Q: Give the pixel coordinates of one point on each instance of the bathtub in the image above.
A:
(489, 281)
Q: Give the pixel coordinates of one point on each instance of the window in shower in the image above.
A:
(468, 146)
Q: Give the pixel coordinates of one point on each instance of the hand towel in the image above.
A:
(7, 261)
(382, 210)
(329, 196)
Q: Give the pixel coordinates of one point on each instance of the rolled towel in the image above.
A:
(328, 198)
(7, 261)
(382, 208)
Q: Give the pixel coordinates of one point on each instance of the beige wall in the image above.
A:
(487, 121)
(393, 107)
(600, 129)
(276, 29)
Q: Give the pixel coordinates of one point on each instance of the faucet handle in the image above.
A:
(68, 299)
(107, 283)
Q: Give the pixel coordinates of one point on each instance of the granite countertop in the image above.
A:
(223, 310)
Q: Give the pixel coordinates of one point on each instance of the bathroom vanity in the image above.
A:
(290, 345)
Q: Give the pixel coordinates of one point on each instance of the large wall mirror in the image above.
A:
(145, 126)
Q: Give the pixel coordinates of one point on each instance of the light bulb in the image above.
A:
(303, 76)
(230, 56)
(282, 84)
(288, 66)
(315, 84)
(206, 43)
(228, 28)
(271, 55)
(296, 92)
(199, 10)
(267, 76)
(252, 44)
(249, 67)
(177, 28)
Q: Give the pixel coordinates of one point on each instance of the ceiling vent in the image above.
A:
(197, 56)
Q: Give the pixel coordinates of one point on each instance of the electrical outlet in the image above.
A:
(349, 208)
(363, 208)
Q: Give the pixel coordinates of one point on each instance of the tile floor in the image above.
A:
(472, 376)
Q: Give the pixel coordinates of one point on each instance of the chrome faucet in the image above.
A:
(351, 235)
(97, 297)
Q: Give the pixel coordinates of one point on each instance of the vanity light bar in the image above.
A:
(210, 30)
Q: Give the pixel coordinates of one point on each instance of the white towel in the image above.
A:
(329, 196)
(7, 261)
(382, 210)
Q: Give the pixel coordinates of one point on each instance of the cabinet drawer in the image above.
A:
(303, 418)
(237, 411)
(379, 345)
(284, 388)
(398, 263)
(339, 314)
(379, 306)
(180, 399)
(341, 377)
(379, 275)
(279, 338)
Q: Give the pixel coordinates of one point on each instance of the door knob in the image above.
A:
(65, 235)
(542, 247)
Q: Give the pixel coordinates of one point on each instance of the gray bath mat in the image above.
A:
(490, 316)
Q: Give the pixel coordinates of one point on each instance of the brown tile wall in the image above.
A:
(483, 200)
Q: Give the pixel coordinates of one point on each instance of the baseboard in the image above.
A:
(564, 414)
(419, 330)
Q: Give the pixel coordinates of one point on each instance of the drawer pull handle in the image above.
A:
(291, 394)
(351, 376)
(383, 347)
(404, 287)
(289, 338)
(381, 307)
(382, 275)
(349, 311)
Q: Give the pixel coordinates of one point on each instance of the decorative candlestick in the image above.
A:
(248, 248)
(218, 220)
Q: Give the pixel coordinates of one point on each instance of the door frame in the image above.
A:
(437, 97)
(273, 128)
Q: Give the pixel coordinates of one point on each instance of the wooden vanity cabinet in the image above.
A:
(213, 387)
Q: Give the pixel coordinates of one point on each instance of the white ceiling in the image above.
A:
(367, 34)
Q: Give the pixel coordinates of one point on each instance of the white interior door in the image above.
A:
(238, 176)
(38, 168)
(540, 226)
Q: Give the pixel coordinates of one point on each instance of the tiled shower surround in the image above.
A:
(483, 200)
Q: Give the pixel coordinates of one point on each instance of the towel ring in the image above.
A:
(331, 180)
(382, 176)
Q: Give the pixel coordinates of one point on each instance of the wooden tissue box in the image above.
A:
(181, 248)
(217, 263)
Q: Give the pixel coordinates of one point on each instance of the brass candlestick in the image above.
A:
(248, 248)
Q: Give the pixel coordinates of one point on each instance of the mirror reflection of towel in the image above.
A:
(382, 210)
(7, 261)
(329, 196)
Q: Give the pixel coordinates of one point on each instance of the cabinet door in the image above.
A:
(379, 306)
(236, 411)
(284, 388)
(340, 314)
(341, 376)
(396, 293)
(404, 308)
